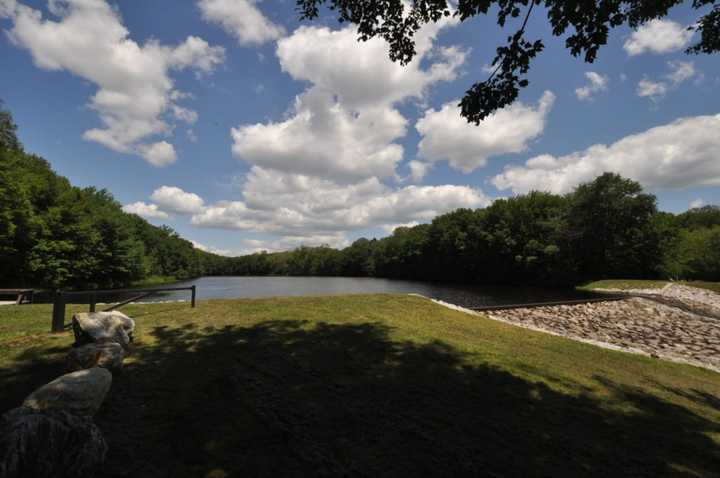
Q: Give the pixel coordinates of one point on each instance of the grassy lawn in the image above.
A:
(624, 284)
(375, 385)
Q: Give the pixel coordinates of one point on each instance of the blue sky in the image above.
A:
(244, 129)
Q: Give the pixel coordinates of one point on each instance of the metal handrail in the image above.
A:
(121, 291)
(22, 296)
(58, 314)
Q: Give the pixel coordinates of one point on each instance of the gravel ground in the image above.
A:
(681, 324)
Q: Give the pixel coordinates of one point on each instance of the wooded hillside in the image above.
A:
(53, 234)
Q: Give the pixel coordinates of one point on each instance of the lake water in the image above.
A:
(464, 295)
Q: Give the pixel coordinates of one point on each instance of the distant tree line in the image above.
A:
(608, 228)
(53, 234)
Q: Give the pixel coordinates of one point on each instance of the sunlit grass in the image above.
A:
(624, 284)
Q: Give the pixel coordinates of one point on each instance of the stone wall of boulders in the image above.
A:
(52, 434)
(677, 323)
(637, 324)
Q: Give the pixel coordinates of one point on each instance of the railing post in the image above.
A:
(58, 314)
(93, 301)
(192, 298)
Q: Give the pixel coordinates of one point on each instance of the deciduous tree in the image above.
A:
(586, 25)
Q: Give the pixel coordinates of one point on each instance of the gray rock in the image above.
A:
(107, 355)
(80, 393)
(49, 444)
(91, 327)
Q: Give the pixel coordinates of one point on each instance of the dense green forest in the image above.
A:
(608, 228)
(53, 234)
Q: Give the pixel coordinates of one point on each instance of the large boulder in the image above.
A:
(92, 327)
(49, 444)
(107, 355)
(80, 393)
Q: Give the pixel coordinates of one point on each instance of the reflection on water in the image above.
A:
(464, 295)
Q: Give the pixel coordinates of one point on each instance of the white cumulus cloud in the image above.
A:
(658, 36)
(680, 72)
(148, 211)
(135, 91)
(325, 139)
(187, 115)
(345, 125)
(697, 203)
(318, 173)
(418, 170)
(241, 19)
(596, 84)
(7, 8)
(651, 89)
(304, 206)
(676, 155)
(448, 136)
(158, 154)
(288, 243)
(390, 228)
(216, 250)
(174, 199)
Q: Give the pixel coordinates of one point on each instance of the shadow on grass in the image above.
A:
(34, 367)
(284, 398)
(699, 397)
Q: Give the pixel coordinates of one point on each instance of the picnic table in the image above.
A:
(24, 296)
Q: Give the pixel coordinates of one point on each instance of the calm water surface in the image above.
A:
(464, 295)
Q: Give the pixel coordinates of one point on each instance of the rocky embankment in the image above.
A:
(677, 323)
